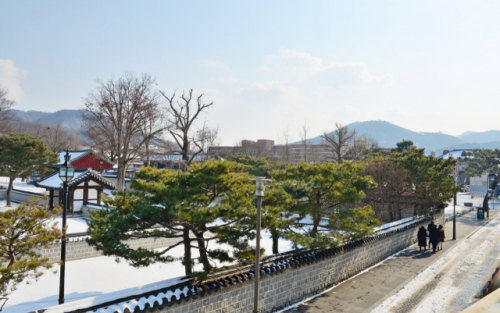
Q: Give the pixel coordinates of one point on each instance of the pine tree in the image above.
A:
(326, 195)
(212, 201)
(23, 230)
(430, 179)
(21, 155)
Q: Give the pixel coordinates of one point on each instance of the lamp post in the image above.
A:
(259, 193)
(454, 215)
(66, 173)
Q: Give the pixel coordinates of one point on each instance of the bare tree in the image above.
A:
(304, 140)
(155, 122)
(388, 199)
(205, 139)
(284, 149)
(6, 116)
(54, 136)
(116, 114)
(337, 140)
(182, 116)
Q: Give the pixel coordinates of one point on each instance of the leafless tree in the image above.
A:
(355, 153)
(155, 122)
(54, 136)
(338, 140)
(182, 116)
(6, 115)
(284, 149)
(371, 142)
(116, 114)
(304, 141)
(388, 199)
(205, 139)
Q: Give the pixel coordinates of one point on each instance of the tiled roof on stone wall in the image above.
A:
(187, 290)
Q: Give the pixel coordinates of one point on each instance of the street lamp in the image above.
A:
(66, 173)
(259, 193)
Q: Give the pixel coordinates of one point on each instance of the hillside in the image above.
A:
(29, 116)
(483, 137)
(388, 135)
(70, 119)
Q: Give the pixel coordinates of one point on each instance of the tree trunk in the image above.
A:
(148, 162)
(203, 252)
(120, 175)
(316, 221)
(188, 266)
(275, 236)
(9, 191)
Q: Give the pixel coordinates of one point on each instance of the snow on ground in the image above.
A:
(26, 187)
(75, 224)
(91, 277)
(460, 261)
(4, 207)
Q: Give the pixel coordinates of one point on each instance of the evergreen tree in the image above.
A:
(210, 202)
(481, 161)
(276, 216)
(21, 155)
(403, 145)
(23, 230)
(430, 179)
(326, 195)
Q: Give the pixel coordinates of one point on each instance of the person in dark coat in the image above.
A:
(429, 227)
(441, 236)
(422, 238)
(434, 238)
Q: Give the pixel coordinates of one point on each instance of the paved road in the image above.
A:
(366, 291)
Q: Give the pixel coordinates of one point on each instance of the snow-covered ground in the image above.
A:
(451, 282)
(91, 277)
(75, 224)
(4, 207)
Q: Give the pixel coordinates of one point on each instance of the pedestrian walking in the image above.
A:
(429, 227)
(434, 238)
(422, 238)
(441, 236)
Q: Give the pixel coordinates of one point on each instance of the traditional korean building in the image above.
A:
(86, 187)
(86, 159)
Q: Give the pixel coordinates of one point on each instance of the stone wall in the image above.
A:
(77, 248)
(295, 284)
(285, 279)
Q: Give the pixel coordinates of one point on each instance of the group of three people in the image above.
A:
(435, 234)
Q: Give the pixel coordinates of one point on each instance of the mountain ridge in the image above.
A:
(386, 133)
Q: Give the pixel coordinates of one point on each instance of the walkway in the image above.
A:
(365, 292)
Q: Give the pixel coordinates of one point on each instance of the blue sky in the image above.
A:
(267, 65)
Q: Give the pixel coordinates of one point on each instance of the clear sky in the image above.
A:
(267, 65)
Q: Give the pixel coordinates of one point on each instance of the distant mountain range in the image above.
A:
(388, 135)
(71, 120)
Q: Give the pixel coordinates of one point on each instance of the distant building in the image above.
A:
(292, 153)
(84, 159)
